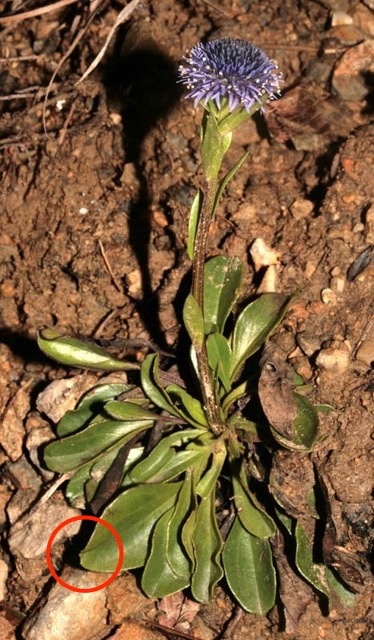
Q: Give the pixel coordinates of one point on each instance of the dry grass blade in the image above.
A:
(78, 37)
(60, 4)
(122, 16)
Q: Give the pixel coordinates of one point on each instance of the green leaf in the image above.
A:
(129, 410)
(91, 404)
(313, 573)
(168, 568)
(159, 580)
(345, 596)
(164, 462)
(82, 486)
(190, 408)
(249, 570)
(251, 515)
(75, 490)
(152, 387)
(207, 545)
(207, 484)
(219, 357)
(222, 283)
(79, 353)
(236, 421)
(193, 321)
(187, 532)
(285, 520)
(233, 119)
(98, 438)
(176, 553)
(254, 325)
(226, 179)
(305, 426)
(324, 408)
(193, 221)
(242, 390)
(213, 147)
(133, 514)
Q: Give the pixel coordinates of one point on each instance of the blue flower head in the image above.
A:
(232, 70)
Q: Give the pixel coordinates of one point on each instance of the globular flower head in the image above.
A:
(232, 70)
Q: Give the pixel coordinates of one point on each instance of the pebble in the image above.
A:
(134, 283)
(263, 255)
(328, 296)
(268, 283)
(160, 218)
(301, 208)
(340, 17)
(302, 367)
(308, 343)
(337, 360)
(348, 78)
(337, 284)
(365, 352)
(68, 614)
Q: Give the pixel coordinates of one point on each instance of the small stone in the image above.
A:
(337, 360)
(310, 268)
(328, 296)
(365, 352)
(23, 475)
(350, 71)
(337, 284)
(68, 614)
(134, 283)
(340, 17)
(268, 283)
(263, 255)
(116, 118)
(301, 208)
(62, 395)
(336, 271)
(308, 343)
(160, 218)
(302, 367)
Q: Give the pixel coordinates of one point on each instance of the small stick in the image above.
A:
(123, 15)
(107, 264)
(173, 632)
(217, 8)
(65, 57)
(65, 126)
(231, 627)
(36, 12)
(21, 58)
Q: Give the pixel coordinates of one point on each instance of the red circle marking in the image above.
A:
(120, 553)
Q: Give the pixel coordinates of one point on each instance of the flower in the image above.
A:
(232, 69)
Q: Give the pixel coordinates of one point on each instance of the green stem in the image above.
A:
(200, 249)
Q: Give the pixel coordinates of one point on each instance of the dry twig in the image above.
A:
(122, 16)
(108, 266)
(16, 17)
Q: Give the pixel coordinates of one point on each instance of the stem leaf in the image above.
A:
(249, 570)
(133, 515)
(222, 283)
(254, 325)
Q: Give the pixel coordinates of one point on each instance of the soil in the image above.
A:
(96, 180)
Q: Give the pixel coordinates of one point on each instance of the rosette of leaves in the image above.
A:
(196, 507)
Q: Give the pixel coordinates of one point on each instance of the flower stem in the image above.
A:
(200, 249)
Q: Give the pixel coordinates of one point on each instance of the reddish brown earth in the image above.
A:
(94, 207)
